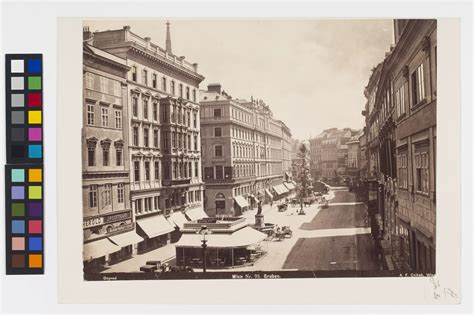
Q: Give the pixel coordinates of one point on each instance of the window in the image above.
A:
(157, 170)
(155, 111)
(120, 193)
(89, 80)
(145, 109)
(147, 170)
(118, 119)
(194, 95)
(190, 170)
(180, 90)
(217, 112)
(198, 195)
(118, 156)
(155, 138)
(175, 170)
(135, 106)
(163, 84)
(217, 132)
(144, 77)
(156, 202)
(195, 143)
(173, 139)
(218, 151)
(145, 137)
(219, 172)
(136, 170)
(93, 196)
(91, 156)
(90, 114)
(173, 90)
(189, 142)
(105, 116)
(153, 80)
(135, 136)
(147, 204)
(400, 100)
(187, 93)
(422, 172)
(106, 156)
(107, 195)
(402, 171)
(134, 73)
(138, 206)
(195, 121)
(196, 169)
(418, 85)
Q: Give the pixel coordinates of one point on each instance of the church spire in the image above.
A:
(168, 38)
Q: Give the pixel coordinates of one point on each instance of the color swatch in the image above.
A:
(24, 189)
(24, 101)
(24, 219)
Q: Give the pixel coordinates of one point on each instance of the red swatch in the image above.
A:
(34, 100)
(34, 227)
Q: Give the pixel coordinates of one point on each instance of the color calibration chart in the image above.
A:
(24, 170)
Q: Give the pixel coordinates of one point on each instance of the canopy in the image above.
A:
(126, 239)
(98, 249)
(155, 225)
(241, 201)
(196, 214)
(269, 193)
(178, 219)
(289, 185)
(240, 238)
(280, 189)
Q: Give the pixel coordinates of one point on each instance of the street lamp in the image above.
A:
(203, 232)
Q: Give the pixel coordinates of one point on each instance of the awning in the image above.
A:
(241, 201)
(269, 193)
(283, 188)
(289, 185)
(126, 239)
(196, 214)
(178, 219)
(241, 238)
(155, 225)
(280, 189)
(98, 249)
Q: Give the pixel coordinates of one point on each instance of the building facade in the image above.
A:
(107, 214)
(401, 145)
(244, 153)
(164, 133)
(329, 154)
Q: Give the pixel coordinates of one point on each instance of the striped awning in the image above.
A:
(240, 200)
(177, 218)
(126, 239)
(196, 214)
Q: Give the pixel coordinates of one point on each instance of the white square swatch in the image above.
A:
(18, 83)
(17, 66)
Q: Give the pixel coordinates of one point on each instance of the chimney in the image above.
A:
(214, 87)
(168, 38)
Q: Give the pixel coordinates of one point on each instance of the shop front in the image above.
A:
(240, 205)
(108, 239)
(177, 219)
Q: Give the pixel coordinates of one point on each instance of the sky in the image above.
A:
(311, 73)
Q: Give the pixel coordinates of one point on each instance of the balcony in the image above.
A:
(177, 182)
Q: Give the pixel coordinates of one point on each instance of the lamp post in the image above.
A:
(203, 232)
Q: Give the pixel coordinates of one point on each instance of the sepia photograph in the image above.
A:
(258, 148)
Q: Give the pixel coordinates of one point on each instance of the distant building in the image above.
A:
(244, 152)
(353, 157)
(329, 154)
(296, 160)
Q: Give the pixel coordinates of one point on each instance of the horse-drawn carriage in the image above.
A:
(284, 232)
(282, 207)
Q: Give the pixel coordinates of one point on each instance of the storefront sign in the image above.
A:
(92, 222)
(107, 218)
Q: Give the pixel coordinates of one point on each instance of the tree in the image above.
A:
(304, 176)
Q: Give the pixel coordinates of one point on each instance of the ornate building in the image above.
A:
(401, 145)
(164, 133)
(244, 149)
(107, 215)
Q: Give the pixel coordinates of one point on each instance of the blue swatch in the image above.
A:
(35, 243)
(34, 65)
(18, 226)
(34, 151)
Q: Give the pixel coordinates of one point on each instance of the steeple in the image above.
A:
(168, 38)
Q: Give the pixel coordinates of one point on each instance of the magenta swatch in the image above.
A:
(34, 134)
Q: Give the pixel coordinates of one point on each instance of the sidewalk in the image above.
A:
(164, 254)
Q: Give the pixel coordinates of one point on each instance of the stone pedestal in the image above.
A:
(259, 221)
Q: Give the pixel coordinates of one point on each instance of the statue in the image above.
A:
(259, 206)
